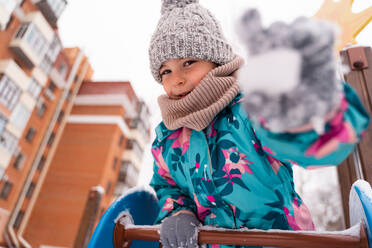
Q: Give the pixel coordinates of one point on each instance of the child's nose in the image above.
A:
(179, 80)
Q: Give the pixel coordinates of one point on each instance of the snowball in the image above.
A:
(269, 72)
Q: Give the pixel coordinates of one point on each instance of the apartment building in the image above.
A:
(56, 143)
(101, 146)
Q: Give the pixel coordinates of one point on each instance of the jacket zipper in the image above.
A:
(209, 155)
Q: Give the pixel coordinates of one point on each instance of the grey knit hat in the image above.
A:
(187, 30)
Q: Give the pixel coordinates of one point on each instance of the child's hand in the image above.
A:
(179, 231)
(290, 77)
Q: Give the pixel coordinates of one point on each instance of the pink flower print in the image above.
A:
(327, 143)
(340, 132)
(182, 139)
(233, 207)
(169, 203)
(211, 199)
(163, 170)
(213, 131)
(268, 150)
(202, 211)
(274, 163)
(301, 219)
(236, 160)
(197, 165)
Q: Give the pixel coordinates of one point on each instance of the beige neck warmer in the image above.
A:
(196, 110)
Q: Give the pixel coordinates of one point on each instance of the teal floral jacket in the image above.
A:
(235, 173)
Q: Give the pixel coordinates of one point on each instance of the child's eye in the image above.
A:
(164, 72)
(189, 62)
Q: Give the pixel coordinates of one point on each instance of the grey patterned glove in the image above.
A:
(179, 231)
(290, 77)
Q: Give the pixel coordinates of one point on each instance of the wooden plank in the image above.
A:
(279, 238)
(360, 80)
(346, 177)
(366, 144)
(88, 219)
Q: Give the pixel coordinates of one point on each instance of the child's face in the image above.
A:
(180, 76)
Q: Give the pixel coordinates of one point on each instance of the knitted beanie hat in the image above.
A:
(187, 30)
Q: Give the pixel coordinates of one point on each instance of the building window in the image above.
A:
(133, 145)
(18, 219)
(34, 88)
(46, 64)
(30, 190)
(41, 163)
(3, 122)
(41, 108)
(62, 69)
(10, 21)
(69, 95)
(22, 30)
(30, 134)
(20, 158)
(7, 187)
(121, 140)
(60, 116)
(9, 92)
(9, 142)
(54, 48)
(57, 6)
(20, 116)
(35, 39)
(52, 86)
(123, 170)
(114, 163)
(51, 139)
(108, 187)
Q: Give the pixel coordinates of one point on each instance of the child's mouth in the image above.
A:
(184, 94)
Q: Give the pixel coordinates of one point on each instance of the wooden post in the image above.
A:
(359, 164)
(89, 218)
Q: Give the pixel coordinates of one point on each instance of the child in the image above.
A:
(214, 165)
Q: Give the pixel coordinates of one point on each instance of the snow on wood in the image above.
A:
(127, 220)
(99, 189)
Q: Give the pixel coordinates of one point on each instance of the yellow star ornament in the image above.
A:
(350, 23)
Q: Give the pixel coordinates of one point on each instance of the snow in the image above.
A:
(352, 231)
(127, 220)
(254, 75)
(99, 189)
(318, 124)
(319, 190)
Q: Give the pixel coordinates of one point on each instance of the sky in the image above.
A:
(115, 35)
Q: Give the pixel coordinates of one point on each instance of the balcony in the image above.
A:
(52, 9)
(32, 40)
(8, 142)
(6, 9)
(9, 68)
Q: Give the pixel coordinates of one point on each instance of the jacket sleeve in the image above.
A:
(308, 149)
(171, 197)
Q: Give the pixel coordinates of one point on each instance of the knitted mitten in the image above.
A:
(179, 231)
(289, 79)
